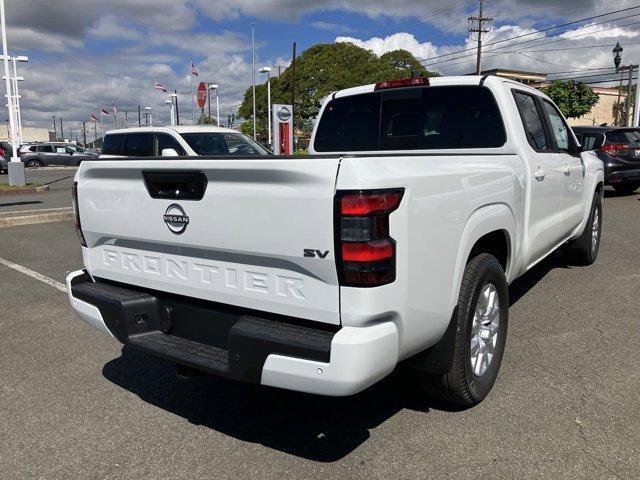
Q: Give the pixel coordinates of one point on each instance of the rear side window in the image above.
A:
(45, 148)
(412, 119)
(559, 129)
(164, 140)
(590, 141)
(138, 145)
(113, 144)
(531, 120)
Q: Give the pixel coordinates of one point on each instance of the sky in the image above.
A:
(89, 53)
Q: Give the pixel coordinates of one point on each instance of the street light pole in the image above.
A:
(267, 70)
(253, 77)
(16, 167)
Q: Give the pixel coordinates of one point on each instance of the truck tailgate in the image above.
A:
(241, 244)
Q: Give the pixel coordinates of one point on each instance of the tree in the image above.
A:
(261, 131)
(574, 99)
(322, 69)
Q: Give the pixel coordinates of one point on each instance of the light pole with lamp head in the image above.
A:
(214, 86)
(617, 59)
(148, 117)
(267, 70)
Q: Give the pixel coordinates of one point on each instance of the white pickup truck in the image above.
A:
(393, 241)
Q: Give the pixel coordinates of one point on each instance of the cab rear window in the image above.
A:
(412, 119)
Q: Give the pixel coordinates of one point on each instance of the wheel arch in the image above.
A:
(490, 229)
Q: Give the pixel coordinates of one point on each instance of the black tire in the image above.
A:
(584, 250)
(461, 385)
(625, 188)
(33, 163)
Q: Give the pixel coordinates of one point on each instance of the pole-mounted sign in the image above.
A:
(282, 129)
(201, 95)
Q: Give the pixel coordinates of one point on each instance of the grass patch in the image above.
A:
(6, 186)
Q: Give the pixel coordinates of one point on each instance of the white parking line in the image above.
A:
(33, 274)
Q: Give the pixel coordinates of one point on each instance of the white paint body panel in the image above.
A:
(258, 215)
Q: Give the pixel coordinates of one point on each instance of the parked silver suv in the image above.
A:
(43, 154)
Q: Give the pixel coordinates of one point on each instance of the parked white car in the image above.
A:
(178, 141)
(394, 240)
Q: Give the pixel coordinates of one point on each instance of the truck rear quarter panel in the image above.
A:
(449, 202)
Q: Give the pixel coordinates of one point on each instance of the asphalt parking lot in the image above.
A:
(75, 404)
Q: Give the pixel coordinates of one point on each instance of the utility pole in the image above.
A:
(84, 134)
(61, 130)
(177, 113)
(55, 132)
(140, 119)
(476, 24)
(293, 94)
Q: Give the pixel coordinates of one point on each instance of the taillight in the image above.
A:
(1, 152)
(614, 149)
(76, 213)
(365, 251)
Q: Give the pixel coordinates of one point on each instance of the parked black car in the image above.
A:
(619, 149)
(43, 154)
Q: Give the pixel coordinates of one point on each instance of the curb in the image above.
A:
(31, 217)
(17, 191)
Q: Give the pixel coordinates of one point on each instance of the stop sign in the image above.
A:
(202, 95)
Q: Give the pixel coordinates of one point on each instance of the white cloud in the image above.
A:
(600, 31)
(396, 41)
(109, 26)
(332, 27)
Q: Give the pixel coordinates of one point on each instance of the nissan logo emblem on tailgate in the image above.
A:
(176, 218)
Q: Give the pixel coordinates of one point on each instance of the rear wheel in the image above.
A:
(481, 331)
(625, 188)
(584, 250)
(33, 163)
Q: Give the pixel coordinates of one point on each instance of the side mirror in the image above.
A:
(169, 152)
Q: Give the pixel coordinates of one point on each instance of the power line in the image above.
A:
(532, 33)
(547, 42)
(578, 48)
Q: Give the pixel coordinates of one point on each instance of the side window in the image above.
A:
(531, 121)
(559, 129)
(112, 145)
(61, 150)
(591, 141)
(164, 140)
(138, 145)
(45, 148)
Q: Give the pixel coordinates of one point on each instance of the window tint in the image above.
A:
(45, 148)
(209, 143)
(138, 145)
(412, 119)
(591, 141)
(350, 124)
(531, 121)
(623, 136)
(113, 144)
(165, 140)
(559, 129)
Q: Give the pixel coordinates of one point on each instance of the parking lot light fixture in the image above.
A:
(214, 86)
(267, 70)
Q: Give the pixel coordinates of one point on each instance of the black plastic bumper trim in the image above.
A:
(198, 334)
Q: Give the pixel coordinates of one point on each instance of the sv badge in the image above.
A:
(309, 252)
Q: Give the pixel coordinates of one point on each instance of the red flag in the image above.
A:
(94, 118)
(160, 87)
(194, 70)
(103, 111)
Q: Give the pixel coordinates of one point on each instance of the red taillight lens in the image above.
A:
(614, 149)
(366, 204)
(366, 251)
(1, 152)
(76, 213)
(406, 82)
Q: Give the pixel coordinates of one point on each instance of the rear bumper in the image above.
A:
(238, 344)
(616, 176)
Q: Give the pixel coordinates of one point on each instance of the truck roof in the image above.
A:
(439, 82)
(175, 128)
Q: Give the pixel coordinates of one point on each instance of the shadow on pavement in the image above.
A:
(318, 428)
(526, 282)
(15, 204)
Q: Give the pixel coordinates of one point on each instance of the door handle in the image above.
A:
(539, 175)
